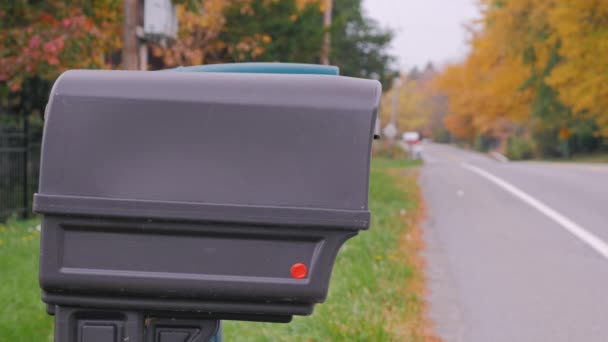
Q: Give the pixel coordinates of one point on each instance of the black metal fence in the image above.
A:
(19, 164)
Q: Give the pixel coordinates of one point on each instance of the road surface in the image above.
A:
(516, 251)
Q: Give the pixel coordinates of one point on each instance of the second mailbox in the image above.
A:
(223, 193)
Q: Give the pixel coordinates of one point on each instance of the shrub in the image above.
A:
(388, 149)
(520, 148)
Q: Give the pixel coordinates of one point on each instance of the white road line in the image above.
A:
(589, 238)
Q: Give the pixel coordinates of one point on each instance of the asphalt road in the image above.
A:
(514, 250)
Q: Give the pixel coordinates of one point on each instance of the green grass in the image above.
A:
(380, 165)
(596, 157)
(590, 158)
(367, 296)
(22, 314)
(368, 281)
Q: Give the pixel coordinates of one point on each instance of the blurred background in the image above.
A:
(524, 78)
(41, 39)
(521, 79)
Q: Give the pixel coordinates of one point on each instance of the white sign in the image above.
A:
(390, 131)
(411, 137)
(160, 19)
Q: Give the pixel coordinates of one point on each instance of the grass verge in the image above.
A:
(22, 314)
(375, 295)
(589, 158)
(377, 283)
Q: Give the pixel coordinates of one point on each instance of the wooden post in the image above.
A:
(143, 56)
(327, 35)
(130, 53)
(26, 174)
(142, 48)
(395, 109)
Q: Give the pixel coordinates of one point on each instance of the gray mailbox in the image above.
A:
(201, 196)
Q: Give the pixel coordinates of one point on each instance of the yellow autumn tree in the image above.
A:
(454, 83)
(535, 66)
(413, 105)
(581, 77)
(487, 92)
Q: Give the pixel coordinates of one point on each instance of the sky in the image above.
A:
(425, 29)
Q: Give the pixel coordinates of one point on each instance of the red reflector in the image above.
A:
(298, 271)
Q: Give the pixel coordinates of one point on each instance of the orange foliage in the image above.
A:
(53, 36)
(414, 107)
(511, 46)
(199, 30)
(198, 33)
(582, 75)
(48, 39)
(484, 92)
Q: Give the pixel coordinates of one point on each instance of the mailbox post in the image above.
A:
(173, 200)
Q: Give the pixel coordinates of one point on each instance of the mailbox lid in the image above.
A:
(271, 145)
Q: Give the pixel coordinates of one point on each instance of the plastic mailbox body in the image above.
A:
(199, 192)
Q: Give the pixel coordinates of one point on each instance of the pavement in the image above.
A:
(516, 251)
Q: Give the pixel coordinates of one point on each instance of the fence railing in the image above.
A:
(19, 164)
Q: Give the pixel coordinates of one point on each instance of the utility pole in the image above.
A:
(129, 41)
(327, 35)
(396, 87)
(143, 56)
(142, 46)
(390, 131)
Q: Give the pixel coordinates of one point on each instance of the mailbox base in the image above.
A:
(201, 310)
(73, 324)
